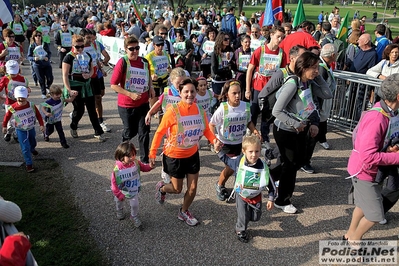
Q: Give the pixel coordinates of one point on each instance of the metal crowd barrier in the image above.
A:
(354, 94)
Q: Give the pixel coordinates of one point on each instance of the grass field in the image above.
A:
(57, 229)
(312, 11)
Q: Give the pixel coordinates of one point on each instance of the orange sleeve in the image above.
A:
(167, 122)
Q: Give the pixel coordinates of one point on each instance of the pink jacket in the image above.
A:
(114, 186)
(366, 156)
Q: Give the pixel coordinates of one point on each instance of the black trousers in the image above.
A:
(133, 120)
(292, 150)
(60, 131)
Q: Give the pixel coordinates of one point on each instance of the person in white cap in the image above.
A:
(92, 23)
(25, 115)
(9, 82)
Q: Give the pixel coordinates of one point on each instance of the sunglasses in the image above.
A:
(227, 39)
(12, 36)
(159, 44)
(79, 46)
(64, 25)
(38, 36)
(162, 33)
(131, 49)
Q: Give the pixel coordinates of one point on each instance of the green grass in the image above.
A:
(57, 229)
(312, 11)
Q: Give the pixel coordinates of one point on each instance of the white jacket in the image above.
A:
(383, 68)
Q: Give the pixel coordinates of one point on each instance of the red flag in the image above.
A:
(277, 12)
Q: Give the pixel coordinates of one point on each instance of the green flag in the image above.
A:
(343, 30)
(299, 15)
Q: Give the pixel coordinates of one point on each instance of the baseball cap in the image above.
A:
(94, 18)
(158, 40)
(12, 67)
(21, 92)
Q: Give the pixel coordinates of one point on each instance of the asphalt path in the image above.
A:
(277, 239)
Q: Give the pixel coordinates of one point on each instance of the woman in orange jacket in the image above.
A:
(184, 124)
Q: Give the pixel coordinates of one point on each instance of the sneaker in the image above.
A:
(307, 168)
(165, 177)
(383, 222)
(100, 138)
(15, 137)
(34, 152)
(187, 217)
(71, 115)
(105, 127)
(30, 169)
(7, 137)
(136, 221)
(325, 145)
(120, 215)
(46, 138)
(44, 96)
(160, 196)
(74, 133)
(266, 145)
(221, 192)
(36, 84)
(287, 208)
(64, 145)
(243, 236)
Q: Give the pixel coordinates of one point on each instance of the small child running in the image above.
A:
(252, 176)
(25, 115)
(125, 180)
(52, 110)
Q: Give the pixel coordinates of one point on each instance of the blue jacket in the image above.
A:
(229, 25)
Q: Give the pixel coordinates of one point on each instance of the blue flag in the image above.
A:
(269, 18)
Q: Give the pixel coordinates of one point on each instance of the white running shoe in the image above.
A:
(325, 145)
(287, 208)
(383, 222)
(105, 127)
(100, 138)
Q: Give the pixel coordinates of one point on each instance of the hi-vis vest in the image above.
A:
(268, 63)
(25, 119)
(234, 122)
(160, 63)
(12, 84)
(137, 79)
(169, 99)
(190, 128)
(128, 180)
(307, 99)
(66, 38)
(55, 110)
(224, 59)
(251, 181)
(14, 53)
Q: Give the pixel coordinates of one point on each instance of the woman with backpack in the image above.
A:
(371, 149)
(296, 116)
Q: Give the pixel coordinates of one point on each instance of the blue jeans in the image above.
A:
(44, 74)
(27, 142)
(133, 120)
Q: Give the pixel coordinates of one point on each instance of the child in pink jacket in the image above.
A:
(125, 180)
